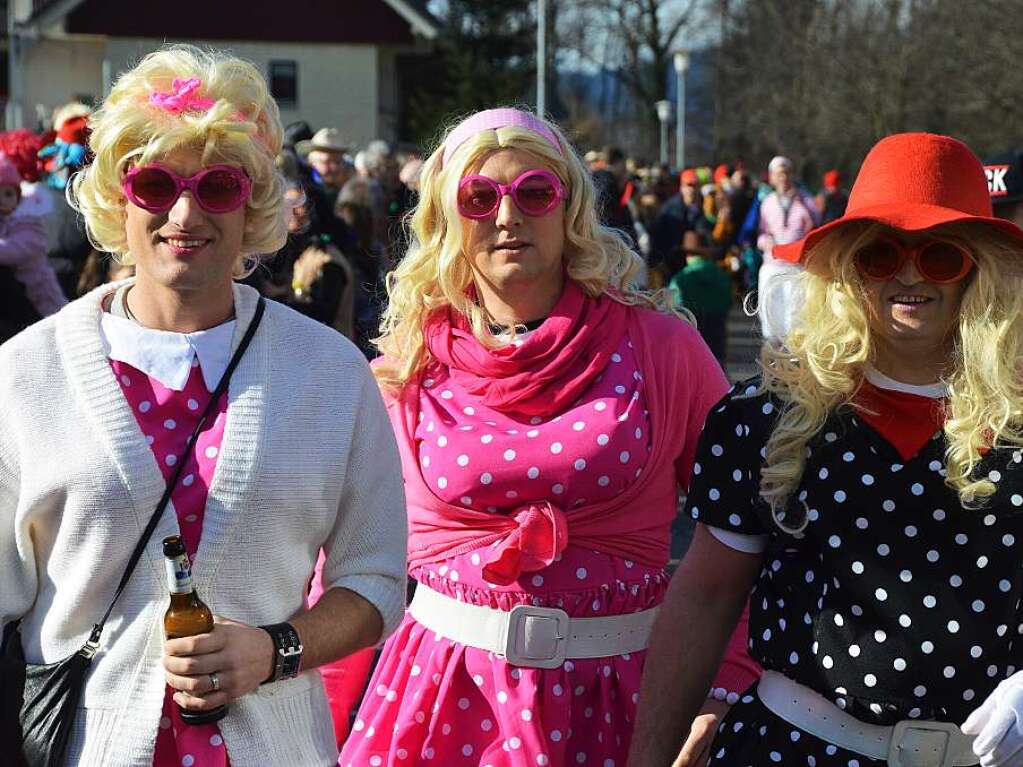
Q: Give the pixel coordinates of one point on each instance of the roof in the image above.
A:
(358, 21)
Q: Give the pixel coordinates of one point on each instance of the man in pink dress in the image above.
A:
(546, 415)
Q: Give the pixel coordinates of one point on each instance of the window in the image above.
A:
(284, 82)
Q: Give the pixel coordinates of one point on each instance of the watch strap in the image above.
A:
(287, 651)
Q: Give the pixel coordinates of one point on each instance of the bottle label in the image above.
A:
(179, 574)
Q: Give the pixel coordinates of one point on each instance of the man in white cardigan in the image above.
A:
(307, 459)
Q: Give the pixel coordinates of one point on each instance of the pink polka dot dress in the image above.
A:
(167, 418)
(435, 701)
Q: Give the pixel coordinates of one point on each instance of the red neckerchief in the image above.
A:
(906, 421)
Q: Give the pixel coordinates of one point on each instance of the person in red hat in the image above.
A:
(868, 488)
(833, 199)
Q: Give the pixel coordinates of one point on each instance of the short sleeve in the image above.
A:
(725, 489)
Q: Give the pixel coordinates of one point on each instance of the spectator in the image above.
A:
(678, 215)
(614, 194)
(325, 152)
(29, 288)
(704, 288)
(786, 214)
(833, 198)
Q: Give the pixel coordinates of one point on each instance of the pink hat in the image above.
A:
(492, 119)
(9, 175)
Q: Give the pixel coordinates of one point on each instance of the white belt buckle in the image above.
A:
(537, 636)
(947, 758)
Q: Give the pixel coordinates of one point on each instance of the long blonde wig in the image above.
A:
(820, 366)
(242, 128)
(435, 272)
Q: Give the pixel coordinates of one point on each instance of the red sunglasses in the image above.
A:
(938, 261)
(535, 193)
(217, 189)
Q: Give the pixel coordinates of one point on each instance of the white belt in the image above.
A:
(540, 637)
(909, 743)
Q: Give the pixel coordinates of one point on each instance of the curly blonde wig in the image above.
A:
(436, 273)
(821, 365)
(242, 128)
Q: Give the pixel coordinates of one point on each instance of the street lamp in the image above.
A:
(541, 57)
(681, 65)
(664, 115)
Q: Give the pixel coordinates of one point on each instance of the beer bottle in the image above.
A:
(187, 615)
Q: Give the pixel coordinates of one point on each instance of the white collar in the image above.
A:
(936, 390)
(168, 356)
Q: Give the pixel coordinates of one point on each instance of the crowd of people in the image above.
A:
(514, 455)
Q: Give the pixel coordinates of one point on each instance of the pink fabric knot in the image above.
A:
(540, 534)
(183, 97)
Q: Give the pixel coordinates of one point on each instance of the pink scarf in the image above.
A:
(549, 371)
(682, 383)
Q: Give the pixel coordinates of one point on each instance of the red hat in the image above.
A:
(913, 181)
(688, 176)
(832, 179)
(721, 172)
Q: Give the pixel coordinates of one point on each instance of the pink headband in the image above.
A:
(492, 119)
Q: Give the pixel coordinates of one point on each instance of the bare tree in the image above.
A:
(634, 40)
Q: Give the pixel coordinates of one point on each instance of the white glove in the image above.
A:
(998, 725)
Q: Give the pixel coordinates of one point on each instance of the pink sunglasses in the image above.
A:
(217, 189)
(536, 193)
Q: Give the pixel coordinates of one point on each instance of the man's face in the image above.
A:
(781, 178)
(327, 165)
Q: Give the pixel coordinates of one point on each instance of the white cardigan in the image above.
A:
(308, 461)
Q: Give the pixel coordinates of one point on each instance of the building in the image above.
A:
(329, 62)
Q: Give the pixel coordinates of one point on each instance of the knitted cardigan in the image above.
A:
(308, 460)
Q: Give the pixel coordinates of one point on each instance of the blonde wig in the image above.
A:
(820, 366)
(242, 128)
(435, 273)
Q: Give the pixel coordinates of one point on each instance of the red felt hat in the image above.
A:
(913, 181)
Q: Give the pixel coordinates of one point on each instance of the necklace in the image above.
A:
(531, 325)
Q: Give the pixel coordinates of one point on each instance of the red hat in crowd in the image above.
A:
(913, 181)
(832, 180)
(721, 172)
(689, 177)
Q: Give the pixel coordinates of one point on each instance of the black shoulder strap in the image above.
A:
(93, 642)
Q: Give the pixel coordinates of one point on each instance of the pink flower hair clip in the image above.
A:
(183, 97)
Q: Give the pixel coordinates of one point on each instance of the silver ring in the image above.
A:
(215, 682)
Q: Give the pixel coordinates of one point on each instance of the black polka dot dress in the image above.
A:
(894, 603)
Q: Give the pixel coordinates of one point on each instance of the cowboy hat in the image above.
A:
(324, 140)
(913, 181)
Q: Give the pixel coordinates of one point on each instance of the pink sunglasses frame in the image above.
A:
(191, 183)
(513, 189)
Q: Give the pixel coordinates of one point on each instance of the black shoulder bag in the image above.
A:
(39, 702)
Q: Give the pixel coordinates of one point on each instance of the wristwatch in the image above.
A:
(287, 651)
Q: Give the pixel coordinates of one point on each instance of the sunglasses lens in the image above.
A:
(942, 262)
(154, 188)
(477, 198)
(878, 260)
(536, 194)
(220, 190)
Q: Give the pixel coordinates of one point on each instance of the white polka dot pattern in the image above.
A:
(895, 602)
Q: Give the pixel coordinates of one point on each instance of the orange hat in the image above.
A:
(688, 177)
(913, 181)
(832, 179)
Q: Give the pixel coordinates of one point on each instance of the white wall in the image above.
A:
(338, 85)
(56, 71)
